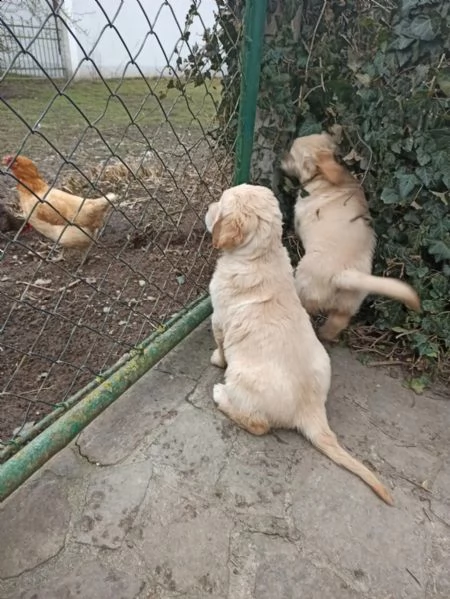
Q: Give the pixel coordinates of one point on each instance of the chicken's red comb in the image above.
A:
(8, 160)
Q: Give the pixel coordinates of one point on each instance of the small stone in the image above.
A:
(22, 430)
(141, 283)
(107, 309)
(42, 282)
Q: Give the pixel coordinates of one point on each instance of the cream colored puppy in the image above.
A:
(278, 372)
(333, 222)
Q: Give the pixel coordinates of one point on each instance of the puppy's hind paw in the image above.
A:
(217, 359)
(326, 337)
(220, 396)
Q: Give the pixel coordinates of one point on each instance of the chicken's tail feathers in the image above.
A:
(107, 198)
(112, 197)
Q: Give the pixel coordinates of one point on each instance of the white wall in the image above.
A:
(109, 54)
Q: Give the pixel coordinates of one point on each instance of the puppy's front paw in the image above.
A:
(217, 359)
(220, 396)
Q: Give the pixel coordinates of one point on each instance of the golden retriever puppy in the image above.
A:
(277, 371)
(334, 225)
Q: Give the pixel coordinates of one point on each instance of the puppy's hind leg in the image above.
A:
(334, 325)
(256, 425)
(218, 356)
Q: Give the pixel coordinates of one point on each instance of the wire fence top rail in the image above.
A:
(89, 280)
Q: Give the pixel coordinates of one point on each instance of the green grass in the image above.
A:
(112, 107)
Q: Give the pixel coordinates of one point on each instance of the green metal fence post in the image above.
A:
(254, 26)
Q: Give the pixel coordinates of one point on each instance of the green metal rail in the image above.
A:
(69, 418)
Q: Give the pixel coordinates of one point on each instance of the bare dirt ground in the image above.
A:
(61, 323)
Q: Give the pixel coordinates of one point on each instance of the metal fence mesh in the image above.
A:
(152, 141)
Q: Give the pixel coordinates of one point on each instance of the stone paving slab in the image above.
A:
(162, 497)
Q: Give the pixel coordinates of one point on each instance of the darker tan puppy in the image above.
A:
(333, 222)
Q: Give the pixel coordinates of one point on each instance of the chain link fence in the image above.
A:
(147, 134)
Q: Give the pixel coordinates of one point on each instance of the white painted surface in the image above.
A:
(151, 36)
(147, 32)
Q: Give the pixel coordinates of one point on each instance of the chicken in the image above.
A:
(66, 219)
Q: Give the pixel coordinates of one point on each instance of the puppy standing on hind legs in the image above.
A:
(334, 225)
(278, 373)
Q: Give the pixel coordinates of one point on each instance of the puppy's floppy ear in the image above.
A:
(297, 165)
(288, 165)
(227, 233)
(308, 168)
(334, 172)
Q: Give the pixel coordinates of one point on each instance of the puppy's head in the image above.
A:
(246, 215)
(312, 155)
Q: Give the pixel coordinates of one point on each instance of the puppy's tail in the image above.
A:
(323, 438)
(354, 280)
